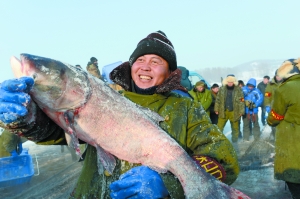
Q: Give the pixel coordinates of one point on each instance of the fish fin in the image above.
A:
(158, 169)
(155, 117)
(69, 140)
(108, 161)
(83, 154)
(100, 166)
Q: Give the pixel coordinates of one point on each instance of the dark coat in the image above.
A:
(262, 87)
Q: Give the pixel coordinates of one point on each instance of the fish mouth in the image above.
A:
(23, 66)
(17, 68)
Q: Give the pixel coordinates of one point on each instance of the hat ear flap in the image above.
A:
(297, 63)
(288, 69)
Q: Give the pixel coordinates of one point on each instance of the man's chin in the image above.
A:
(143, 85)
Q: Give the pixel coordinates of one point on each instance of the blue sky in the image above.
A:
(204, 33)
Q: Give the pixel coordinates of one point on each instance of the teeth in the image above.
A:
(144, 77)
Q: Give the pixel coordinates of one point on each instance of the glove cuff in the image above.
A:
(211, 166)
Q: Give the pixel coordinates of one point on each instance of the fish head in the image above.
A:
(57, 86)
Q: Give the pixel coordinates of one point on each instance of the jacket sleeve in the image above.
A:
(268, 95)
(245, 90)
(278, 109)
(208, 100)
(241, 101)
(37, 127)
(204, 138)
(217, 102)
(259, 98)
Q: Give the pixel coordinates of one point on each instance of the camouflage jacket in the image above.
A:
(285, 116)
(238, 102)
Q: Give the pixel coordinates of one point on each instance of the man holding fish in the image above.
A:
(148, 79)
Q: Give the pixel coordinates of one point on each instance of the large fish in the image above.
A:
(88, 109)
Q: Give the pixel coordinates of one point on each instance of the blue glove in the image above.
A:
(14, 98)
(268, 109)
(139, 182)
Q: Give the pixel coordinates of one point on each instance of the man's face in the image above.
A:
(200, 88)
(250, 87)
(265, 80)
(230, 84)
(215, 90)
(149, 70)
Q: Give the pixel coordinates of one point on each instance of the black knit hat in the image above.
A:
(93, 59)
(214, 86)
(156, 43)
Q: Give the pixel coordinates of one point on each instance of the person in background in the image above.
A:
(284, 115)
(262, 87)
(185, 82)
(77, 66)
(214, 91)
(253, 99)
(230, 105)
(10, 144)
(205, 83)
(241, 84)
(148, 79)
(269, 95)
(92, 67)
(201, 94)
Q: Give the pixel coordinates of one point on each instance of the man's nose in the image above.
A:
(146, 66)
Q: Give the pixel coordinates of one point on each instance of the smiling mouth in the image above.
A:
(145, 77)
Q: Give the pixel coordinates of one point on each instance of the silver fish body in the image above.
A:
(88, 109)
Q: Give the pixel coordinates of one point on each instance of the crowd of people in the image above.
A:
(196, 119)
(277, 100)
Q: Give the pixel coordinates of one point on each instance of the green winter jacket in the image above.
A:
(204, 98)
(285, 115)
(269, 92)
(238, 102)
